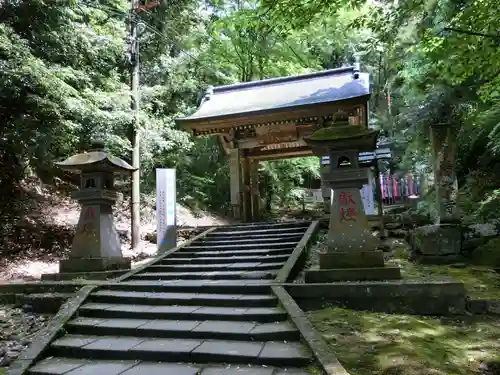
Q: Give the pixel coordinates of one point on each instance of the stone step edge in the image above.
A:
(71, 364)
(239, 248)
(183, 350)
(269, 301)
(203, 286)
(152, 328)
(220, 266)
(275, 224)
(233, 259)
(226, 253)
(236, 275)
(270, 239)
(183, 312)
(322, 353)
(249, 233)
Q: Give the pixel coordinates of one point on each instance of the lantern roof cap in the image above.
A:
(334, 133)
(98, 158)
(342, 138)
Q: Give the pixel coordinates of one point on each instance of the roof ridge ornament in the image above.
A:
(97, 145)
(208, 94)
(357, 66)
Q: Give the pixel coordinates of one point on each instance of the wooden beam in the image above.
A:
(280, 154)
(254, 144)
(275, 115)
(225, 145)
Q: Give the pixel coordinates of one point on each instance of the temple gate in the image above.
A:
(268, 119)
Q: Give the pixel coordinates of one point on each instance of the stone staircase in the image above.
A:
(206, 309)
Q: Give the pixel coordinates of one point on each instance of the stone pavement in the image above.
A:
(206, 309)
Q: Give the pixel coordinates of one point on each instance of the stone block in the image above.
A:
(477, 306)
(353, 274)
(439, 259)
(99, 275)
(392, 296)
(355, 259)
(473, 243)
(438, 239)
(93, 264)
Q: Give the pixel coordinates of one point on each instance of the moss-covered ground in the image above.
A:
(481, 282)
(368, 343)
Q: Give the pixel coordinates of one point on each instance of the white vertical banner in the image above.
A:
(166, 225)
(368, 199)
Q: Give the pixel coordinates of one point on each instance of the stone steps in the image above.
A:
(227, 259)
(265, 226)
(249, 233)
(214, 275)
(255, 266)
(193, 286)
(182, 312)
(253, 233)
(257, 245)
(129, 367)
(185, 329)
(180, 350)
(189, 299)
(206, 309)
(228, 253)
(267, 239)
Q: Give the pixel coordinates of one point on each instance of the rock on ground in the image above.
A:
(17, 329)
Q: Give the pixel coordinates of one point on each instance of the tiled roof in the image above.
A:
(279, 93)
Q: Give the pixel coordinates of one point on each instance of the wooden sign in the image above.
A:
(276, 134)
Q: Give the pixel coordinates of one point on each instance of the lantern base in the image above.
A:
(351, 259)
(94, 264)
(353, 274)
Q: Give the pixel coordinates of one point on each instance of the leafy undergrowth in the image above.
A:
(368, 343)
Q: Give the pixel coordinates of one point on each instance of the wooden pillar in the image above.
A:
(255, 190)
(235, 182)
(444, 150)
(246, 197)
(326, 191)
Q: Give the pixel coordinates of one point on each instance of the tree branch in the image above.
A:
(497, 37)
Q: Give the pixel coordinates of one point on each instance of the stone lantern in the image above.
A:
(96, 245)
(352, 249)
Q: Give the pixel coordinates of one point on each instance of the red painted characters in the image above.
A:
(347, 207)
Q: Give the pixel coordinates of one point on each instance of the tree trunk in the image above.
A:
(444, 150)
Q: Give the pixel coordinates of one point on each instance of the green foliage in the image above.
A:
(281, 177)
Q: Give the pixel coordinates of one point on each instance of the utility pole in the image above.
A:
(136, 7)
(134, 127)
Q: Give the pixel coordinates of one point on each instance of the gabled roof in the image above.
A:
(333, 85)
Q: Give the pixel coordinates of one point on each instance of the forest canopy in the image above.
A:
(64, 80)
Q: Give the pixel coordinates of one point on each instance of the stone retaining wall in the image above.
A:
(422, 298)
